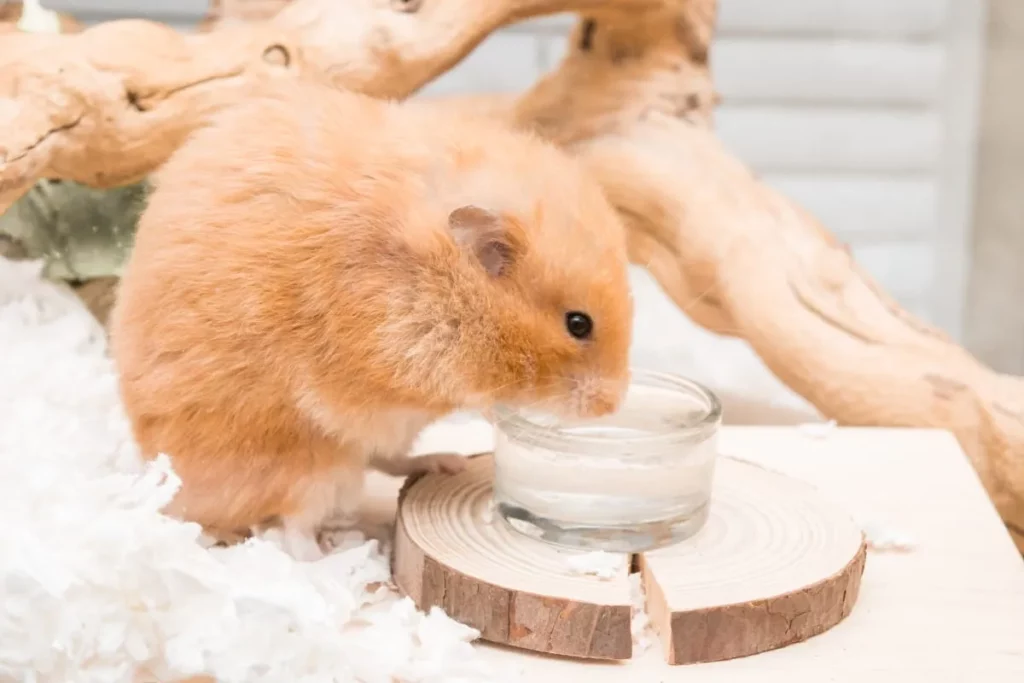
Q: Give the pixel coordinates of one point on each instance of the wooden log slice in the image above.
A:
(775, 564)
(513, 589)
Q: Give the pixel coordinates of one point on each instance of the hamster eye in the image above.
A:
(579, 324)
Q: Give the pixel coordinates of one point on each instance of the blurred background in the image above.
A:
(899, 123)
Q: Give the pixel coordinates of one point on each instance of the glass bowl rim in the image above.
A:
(511, 421)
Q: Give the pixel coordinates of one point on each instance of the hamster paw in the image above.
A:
(339, 532)
(339, 538)
(440, 463)
(298, 542)
(444, 463)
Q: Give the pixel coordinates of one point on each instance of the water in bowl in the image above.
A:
(624, 494)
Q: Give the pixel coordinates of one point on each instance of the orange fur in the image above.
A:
(296, 303)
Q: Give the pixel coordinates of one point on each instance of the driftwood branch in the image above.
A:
(106, 106)
(633, 98)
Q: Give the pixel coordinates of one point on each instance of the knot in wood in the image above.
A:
(277, 55)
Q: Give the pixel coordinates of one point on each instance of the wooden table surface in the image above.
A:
(951, 609)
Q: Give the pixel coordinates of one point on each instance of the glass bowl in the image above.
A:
(631, 481)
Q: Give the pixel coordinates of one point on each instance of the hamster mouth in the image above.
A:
(568, 398)
(579, 404)
(599, 406)
(594, 397)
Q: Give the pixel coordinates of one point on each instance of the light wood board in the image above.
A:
(949, 611)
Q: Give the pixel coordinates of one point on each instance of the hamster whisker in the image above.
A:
(575, 381)
(543, 403)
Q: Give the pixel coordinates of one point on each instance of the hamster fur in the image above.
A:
(318, 275)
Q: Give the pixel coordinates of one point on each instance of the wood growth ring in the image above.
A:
(774, 565)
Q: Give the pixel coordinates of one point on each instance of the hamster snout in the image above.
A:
(597, 396)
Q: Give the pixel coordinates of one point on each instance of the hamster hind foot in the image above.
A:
(308, 544)
(300, 542)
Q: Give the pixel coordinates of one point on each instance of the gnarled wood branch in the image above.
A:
(106, 106)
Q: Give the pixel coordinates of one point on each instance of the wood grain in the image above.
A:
(513, 589)
(776, 564)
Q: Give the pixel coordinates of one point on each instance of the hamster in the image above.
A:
(318, 275)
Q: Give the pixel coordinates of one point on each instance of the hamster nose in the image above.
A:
(601, 397)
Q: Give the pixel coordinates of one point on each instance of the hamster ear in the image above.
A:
(483, 234)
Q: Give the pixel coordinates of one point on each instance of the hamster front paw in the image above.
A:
(443, 463)
(404, 465)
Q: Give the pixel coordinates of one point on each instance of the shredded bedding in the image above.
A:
(98, 585)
